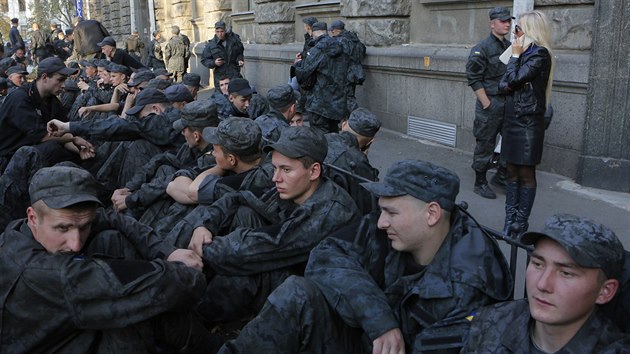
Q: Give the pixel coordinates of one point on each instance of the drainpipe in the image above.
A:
(132, 15)
(151, 17)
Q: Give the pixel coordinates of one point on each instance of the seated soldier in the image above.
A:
(78, 279)
(220, 96)
(347, 150)
(236, 149)
(574, 268)
(145, 194)
(239, 95)
(269, 238)
(17, 77)
(95, 92)
(282, 105)
(404, 281)
(178, 95)
(192, 82)
(119, 75)
(149, 132)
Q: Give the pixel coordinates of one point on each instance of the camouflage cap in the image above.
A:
(320, 26)
(178, 93)
(364, 122)
(192, 79)
(241, 136)
(145, 97)
(337, 24)
(159, 84)
(140, 77)
(117, 68)
(88, 62)
(240, 87)
(500, 13)
(310, 20)
(280, 96)
(6, 63)
(219, 24)
(160, 72)
(71, 85)
(296, 142)
(591, 245)
(3, 83)
(16, 69)
(63, 186)
(419, 179)
(198, 114)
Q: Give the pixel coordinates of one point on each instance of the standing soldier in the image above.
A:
(38, 44)
(14, 35)
(87, 35)
(355, 50)
(175, 55)
(484, 70)
(323, 73)
(223, 54)
(134, 45)
(156, 57)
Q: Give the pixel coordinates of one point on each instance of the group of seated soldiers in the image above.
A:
(140, 217)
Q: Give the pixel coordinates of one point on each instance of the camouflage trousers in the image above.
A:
(486, 127)
(297, 319)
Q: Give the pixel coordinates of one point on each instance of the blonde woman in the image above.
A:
(527, 79)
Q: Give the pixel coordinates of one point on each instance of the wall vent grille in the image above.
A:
(433, 130)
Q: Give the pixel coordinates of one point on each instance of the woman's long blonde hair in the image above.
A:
(535, 25)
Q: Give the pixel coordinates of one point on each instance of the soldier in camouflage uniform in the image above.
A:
(574, 269)
(134, 46)
(407, 287)
(176, 54)
(236, 141)
(147, 131)
(484, 70)
(193, 82)
(179, 95)
(267, 238)
(282, 103)
(145, 194)
(355, 50)
(155, 56)
(326, 65)
(348, 151)
(239, 94)
(93, 275)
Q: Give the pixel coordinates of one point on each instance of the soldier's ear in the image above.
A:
(607, 291)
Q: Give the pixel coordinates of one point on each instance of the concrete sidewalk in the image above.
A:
(555, 193)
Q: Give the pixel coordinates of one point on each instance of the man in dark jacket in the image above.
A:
(223, 54)
(27, 110)
(87, 34)
(408, 287)
(574, 269)
(38, 44)
(326, 65)
(355, 50)
(484, 70)
(14, 35)
(94, 275)
(117, 55)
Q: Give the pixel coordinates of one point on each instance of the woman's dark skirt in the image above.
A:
(523, 137)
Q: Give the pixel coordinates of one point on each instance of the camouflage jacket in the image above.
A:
(484, 69)
(256, 180)
(344, 152)
(271, 125)
(329, 65)
(505, 328)
(355, 50)
(376, 288)
(155, 128)
(176, 54)
(292, 231)
(82, 303)
(147, 186)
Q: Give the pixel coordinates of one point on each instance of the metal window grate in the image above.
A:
(433, 130)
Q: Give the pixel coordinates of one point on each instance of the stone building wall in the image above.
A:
(417, 51)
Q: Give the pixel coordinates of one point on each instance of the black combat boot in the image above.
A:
(526, 198)
(511, 206)
(481, 186)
